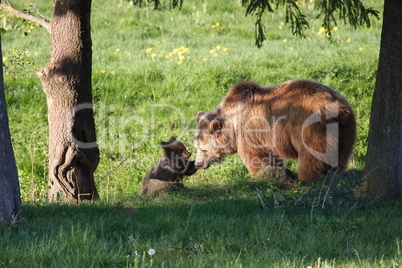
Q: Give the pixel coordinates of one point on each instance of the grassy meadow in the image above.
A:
(152, 71)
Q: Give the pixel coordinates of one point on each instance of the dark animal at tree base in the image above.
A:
(299, 119)
(172, 167)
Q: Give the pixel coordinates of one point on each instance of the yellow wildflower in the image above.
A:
(182, 57)
(213, 26)
(153, 55)
(119, 5)
(212, 51)
(218, 47)
(204, 59)
(113, 72)
(37, 53)
(5, 58)
(285, 40)
(335, 28)
(167, 56)
(349, 40)
(180, 62)
(361, 49)
(148, 50)
(321, 30)
(225, 49)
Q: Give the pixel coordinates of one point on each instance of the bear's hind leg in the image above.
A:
(310, 168)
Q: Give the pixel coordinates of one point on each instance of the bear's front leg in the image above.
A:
(190, 169)
(254, 162)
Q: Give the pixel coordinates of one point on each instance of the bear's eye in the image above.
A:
(204, 151)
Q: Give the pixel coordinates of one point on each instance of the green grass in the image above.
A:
(142, 98)
(202, 229)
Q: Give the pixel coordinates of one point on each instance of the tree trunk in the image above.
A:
(10, 203)
(383, 171)
(73, 152)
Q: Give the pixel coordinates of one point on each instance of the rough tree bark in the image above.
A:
(10, 204)
(383, 171)
(73, 153)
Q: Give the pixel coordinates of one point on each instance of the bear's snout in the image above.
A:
(198, 165)
(186, 155)
(201, 164)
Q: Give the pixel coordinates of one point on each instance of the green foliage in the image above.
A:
(351, 12)
(12, 23)
(18, 60)
(297, 20)
(258, 8)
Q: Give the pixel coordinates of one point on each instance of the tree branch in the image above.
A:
(6, 5)
(37, 10)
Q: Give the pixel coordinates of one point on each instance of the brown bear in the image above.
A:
(173, 165)
(299, 119)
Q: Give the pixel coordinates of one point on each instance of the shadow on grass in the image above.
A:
(211, 225)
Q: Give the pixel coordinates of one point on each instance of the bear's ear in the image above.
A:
(166, 145)
(215, 125)
(199, 114)
(172, 138)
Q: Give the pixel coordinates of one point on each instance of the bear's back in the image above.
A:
(299, 99)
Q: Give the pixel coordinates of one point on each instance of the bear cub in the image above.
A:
(172, 167)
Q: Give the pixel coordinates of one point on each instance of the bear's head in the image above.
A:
(175, 154)
(214, 139)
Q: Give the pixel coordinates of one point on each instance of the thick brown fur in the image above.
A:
(173, 165)
(299, 119)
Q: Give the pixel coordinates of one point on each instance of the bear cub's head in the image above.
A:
(175, 155)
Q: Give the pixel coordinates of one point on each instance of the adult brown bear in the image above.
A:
(300, 119)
